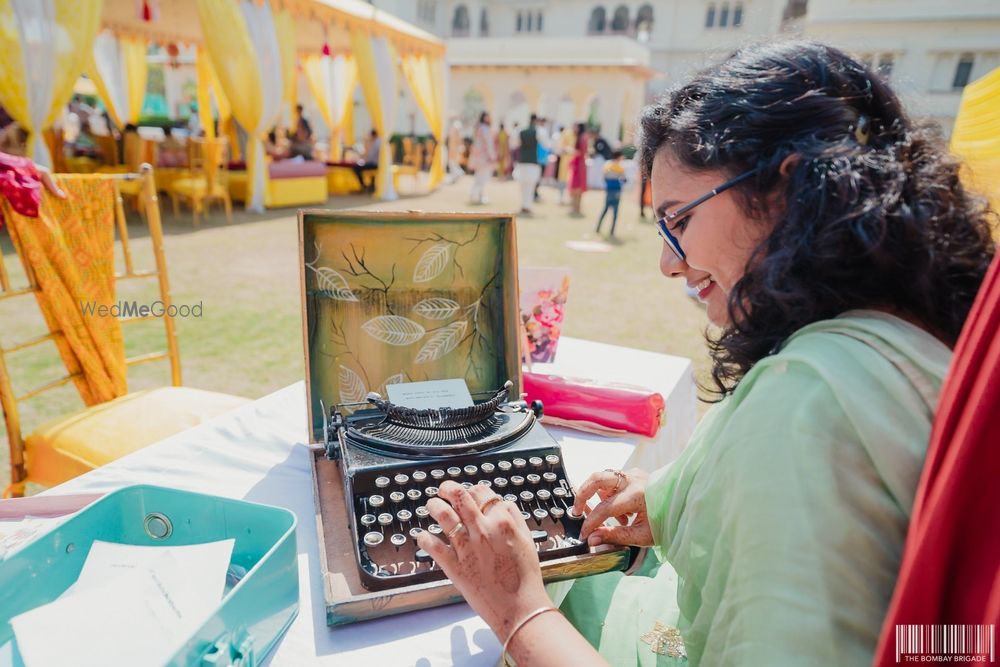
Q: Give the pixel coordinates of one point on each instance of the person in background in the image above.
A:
(482, 159)
(578, 170)
(838, 255)
(565, 147)
(172, 152)
(456, 146)
(528, 171)
(369, 165)
(614, 179)
(21, 182)
(302, 121)
(503, 152)
(302, 144)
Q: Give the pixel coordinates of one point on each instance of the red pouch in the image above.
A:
(613, 406)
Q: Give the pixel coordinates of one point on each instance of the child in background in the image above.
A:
(614, 177)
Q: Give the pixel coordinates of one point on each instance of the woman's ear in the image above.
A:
(788, 164)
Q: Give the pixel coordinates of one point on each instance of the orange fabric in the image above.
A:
(69, 249)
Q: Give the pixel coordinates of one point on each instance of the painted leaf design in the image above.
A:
(436, 308)
(442, 342)
(398, 378)
(394, 329)
(432, 263)
(352, 387)
(331, 281)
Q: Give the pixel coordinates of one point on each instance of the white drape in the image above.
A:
(111, 66)
(36, 23)
(260, 25)
(388, 86)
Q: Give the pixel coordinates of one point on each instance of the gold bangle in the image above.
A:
(521, 624)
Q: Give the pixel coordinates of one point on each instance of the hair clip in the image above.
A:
(862, 132)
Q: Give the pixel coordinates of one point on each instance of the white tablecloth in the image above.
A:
(259, 453)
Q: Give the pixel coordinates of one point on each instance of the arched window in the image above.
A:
(460, 21)
(724, 15)
(531, 22)
(737, 16)
(710, 16)
(484, 23)
(644, 19)
(598, 17)
(620, 21)
(538, 22)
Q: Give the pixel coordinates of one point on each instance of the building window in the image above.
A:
(885, 63)
(644, 18)
(538, 22)
(427, 10)
(724, 16)
(531, 21)
(597, 20)
(460, 22)
(620, 21)
(484, 23)
(710, 16)
(964, 71)
(737, 16)
(520, 22)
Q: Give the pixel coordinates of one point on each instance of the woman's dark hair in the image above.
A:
(871, 215)
(483, 116)
(580, 129)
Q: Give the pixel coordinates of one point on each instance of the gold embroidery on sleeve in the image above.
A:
(665, 640)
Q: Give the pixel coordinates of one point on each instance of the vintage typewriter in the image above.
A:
(394, 459)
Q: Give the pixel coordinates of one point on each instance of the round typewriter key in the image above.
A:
(382, 482)
(549, 477)
(398, 539)
(487, 468)
(467, 485)
(376, 501)
(437, 474)
(454, 471)
(510, 497)
(557, 512)
(540, 514)
(500, 482)
(503, 465)
(552, 459)
(559, 492)
(434, 529)
(401, 479)
(520, 463)
(422, 556)
(373, 539)
(414, 494)
(422, 512)
(419, 476)
(517, 480)
(570, 514)
(368, 520)
(404, 515)
(533, 478)
(470, 470)
(416, 530)
(485, 482)
(384, 519)
(525, 515)
(535, 461)
(543, 494)
(431, 491)
(397, 496)
(527, 496)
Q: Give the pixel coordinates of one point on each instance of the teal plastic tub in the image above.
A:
(252, 615)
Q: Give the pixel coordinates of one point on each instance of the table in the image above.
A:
(259, 453)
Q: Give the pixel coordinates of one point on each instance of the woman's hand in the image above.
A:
(491, 559)
(623, 495)
(46, 177)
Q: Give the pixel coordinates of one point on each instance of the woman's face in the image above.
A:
(717, 236)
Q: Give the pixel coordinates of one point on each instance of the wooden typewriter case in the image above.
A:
(396, 297)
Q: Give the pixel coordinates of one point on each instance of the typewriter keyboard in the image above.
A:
(390, 510)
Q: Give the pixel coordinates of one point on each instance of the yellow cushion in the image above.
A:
(188, 187)
(69, 446)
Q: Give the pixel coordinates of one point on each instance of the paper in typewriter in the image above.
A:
(394, 298)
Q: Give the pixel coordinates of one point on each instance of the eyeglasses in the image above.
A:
(662, 224)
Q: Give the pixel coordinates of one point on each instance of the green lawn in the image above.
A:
(249, 342)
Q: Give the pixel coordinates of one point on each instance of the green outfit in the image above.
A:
(781, 526)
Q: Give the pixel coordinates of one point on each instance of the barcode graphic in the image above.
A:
(945, 640)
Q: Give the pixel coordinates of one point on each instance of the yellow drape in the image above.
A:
(76, 26)
(428, 90)
(204, 83)
(133, 52)
(976, 136)
(70, 250)
(234, 60)
(364, 53)
(284, 29)
(317, 70)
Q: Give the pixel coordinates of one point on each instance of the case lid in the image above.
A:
(405, 296)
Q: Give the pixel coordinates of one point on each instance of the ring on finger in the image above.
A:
(620, 479)
(454, 531)
(490, 503)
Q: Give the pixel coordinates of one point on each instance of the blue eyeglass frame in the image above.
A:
(661, 225)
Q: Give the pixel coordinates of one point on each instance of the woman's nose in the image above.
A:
(670, 264)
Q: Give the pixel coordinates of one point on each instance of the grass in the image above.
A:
(249, 341)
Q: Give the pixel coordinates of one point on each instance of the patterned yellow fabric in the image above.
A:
(69, 249)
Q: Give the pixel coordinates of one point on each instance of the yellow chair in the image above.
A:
(207, 181)
(63, 448)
